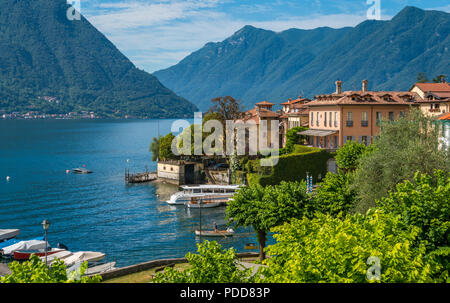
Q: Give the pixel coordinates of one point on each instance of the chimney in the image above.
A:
(339, 87)
(365, 84)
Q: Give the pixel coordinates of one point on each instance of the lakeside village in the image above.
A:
(320, 141)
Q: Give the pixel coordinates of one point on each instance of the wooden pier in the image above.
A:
(140, 177)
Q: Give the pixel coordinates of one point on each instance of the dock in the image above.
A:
(140, 177)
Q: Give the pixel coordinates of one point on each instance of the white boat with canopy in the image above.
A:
(32, 245)
(188, 192)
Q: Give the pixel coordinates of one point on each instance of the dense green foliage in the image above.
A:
(256, 64)
(290, 167)
(266, 207)
(154, 148)
(35, 271)
(293, 138)
(348, 155)
(328, 249)
(165, 147)
(42, 53)
(211, 265)
(425, 203)
(408, 145)
(334, 194)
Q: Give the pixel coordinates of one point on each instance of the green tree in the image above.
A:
(154, 148)
(292, 137)
(334, 194)
(422, 78)
(425, 203)
(212, 264)
(165, 148)
(266, 207)
(439, 79)
(227, 108)
(35, 271)
(348, 155)
(328, 249)
(405, 146)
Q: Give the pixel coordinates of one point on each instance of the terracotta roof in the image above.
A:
(299, 99)
(445, 117)
(252, 114)
(264, 103)
(434, 87)
(368, 98)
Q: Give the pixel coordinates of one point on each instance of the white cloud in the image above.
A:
(158, 35)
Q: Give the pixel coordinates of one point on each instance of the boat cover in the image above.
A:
(59, 255)
(14, 241)
(24, 245)
(8, 233)
(82, 256)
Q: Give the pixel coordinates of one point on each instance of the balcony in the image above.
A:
(349, 123)
(434, 110)
(364, 123)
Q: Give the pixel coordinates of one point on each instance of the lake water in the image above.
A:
(96, 212)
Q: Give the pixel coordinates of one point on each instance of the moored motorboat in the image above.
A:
(82, 256)
(188, 192)
(99, 269)
(7, 234)
(81, 171)
(215, 233)
(61, 255)
(25, 255)
(31, 245)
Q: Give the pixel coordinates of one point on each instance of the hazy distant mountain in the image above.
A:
(255, 64)
(43, 54)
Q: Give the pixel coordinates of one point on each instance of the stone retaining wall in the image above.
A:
(123, 271)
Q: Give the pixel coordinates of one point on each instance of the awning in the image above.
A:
(317, 133)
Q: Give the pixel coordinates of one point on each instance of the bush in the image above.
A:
(211, 265)
(348, 155)
(327, 249)
(334, 194)
(35, 271)
(293, 167)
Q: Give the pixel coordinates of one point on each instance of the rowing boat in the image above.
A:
(213, 233)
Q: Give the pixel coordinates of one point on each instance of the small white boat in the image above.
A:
(212, 233)
(59, 255)
(6, 234)
(82, 256)
(100, 268)
(81, 171)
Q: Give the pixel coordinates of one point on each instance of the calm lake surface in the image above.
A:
(96, 212)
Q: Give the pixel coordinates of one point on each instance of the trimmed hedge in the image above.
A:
(292, 167)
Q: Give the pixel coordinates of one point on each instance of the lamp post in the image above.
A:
(45, 225)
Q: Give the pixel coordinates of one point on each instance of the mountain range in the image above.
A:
(54, 65)
(255, 64)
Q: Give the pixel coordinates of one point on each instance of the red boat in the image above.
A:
(25, 255)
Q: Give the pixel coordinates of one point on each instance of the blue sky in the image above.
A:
(158, 34)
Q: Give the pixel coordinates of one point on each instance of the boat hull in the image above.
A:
(25, 255)
(212, 233)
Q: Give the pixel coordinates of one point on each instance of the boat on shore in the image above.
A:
(7, 234)
(215, 233)
(189, 192)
